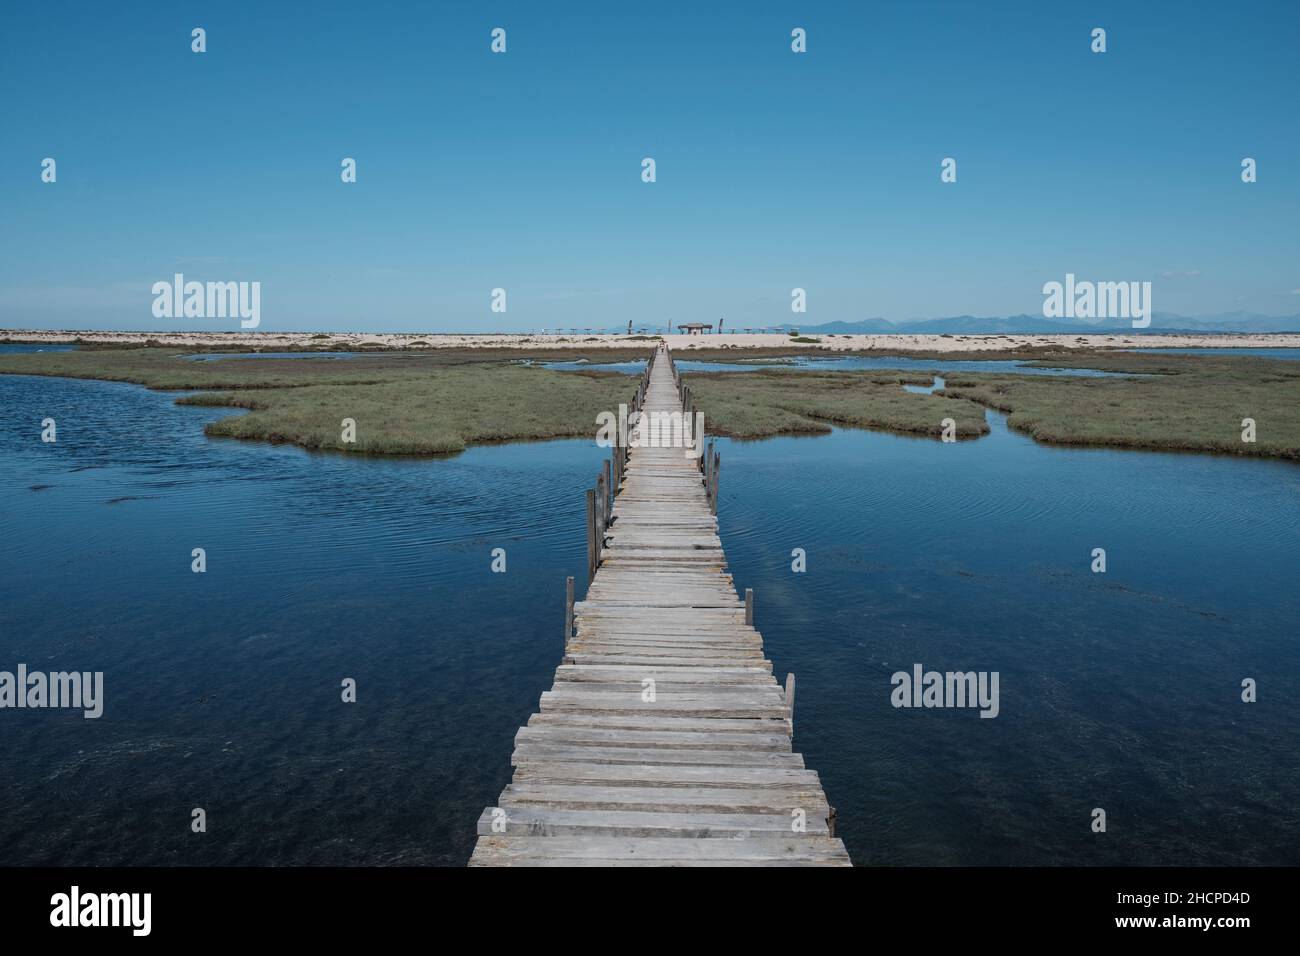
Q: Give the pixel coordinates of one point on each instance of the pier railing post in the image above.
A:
(601, 501)
(749, 606)
(713, 476)
(568, 609)
(593, 548)
(789, 696)
(606, 504)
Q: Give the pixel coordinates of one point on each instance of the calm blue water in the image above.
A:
(1292, 355)
(10, 348)
(1117, 690)
(223, 688)
(847, 364)
(216, 356)
(930, 389)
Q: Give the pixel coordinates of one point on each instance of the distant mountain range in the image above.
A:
(1161, 322)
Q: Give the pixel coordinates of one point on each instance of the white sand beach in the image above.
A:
(297, 341)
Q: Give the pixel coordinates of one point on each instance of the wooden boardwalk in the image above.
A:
(665, 740)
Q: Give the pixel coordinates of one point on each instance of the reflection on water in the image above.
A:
(1292, 355)
(218, 356)
(846, 364)
(17, 348)
(1117, 690)
(930, 389)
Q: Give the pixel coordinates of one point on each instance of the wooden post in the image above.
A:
(568, 609)
(601, 500)
(749, 606)
(593, 549)
(789, 695)
(713, 497)
(605, 506)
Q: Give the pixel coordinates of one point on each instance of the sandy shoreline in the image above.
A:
(298, 341)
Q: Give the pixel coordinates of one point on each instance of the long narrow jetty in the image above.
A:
(665, 740)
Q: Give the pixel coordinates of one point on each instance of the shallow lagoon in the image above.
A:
(1118, 690)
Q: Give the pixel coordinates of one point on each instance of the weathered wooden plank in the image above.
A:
(573, 752)
(619, 775)
(639, 823)
(648, 721)
(685, 674)
(612, 737)
(786, 849)
(764, 693)
(667, 799)
(679, 658)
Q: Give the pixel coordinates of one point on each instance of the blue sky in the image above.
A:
(522, 170)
